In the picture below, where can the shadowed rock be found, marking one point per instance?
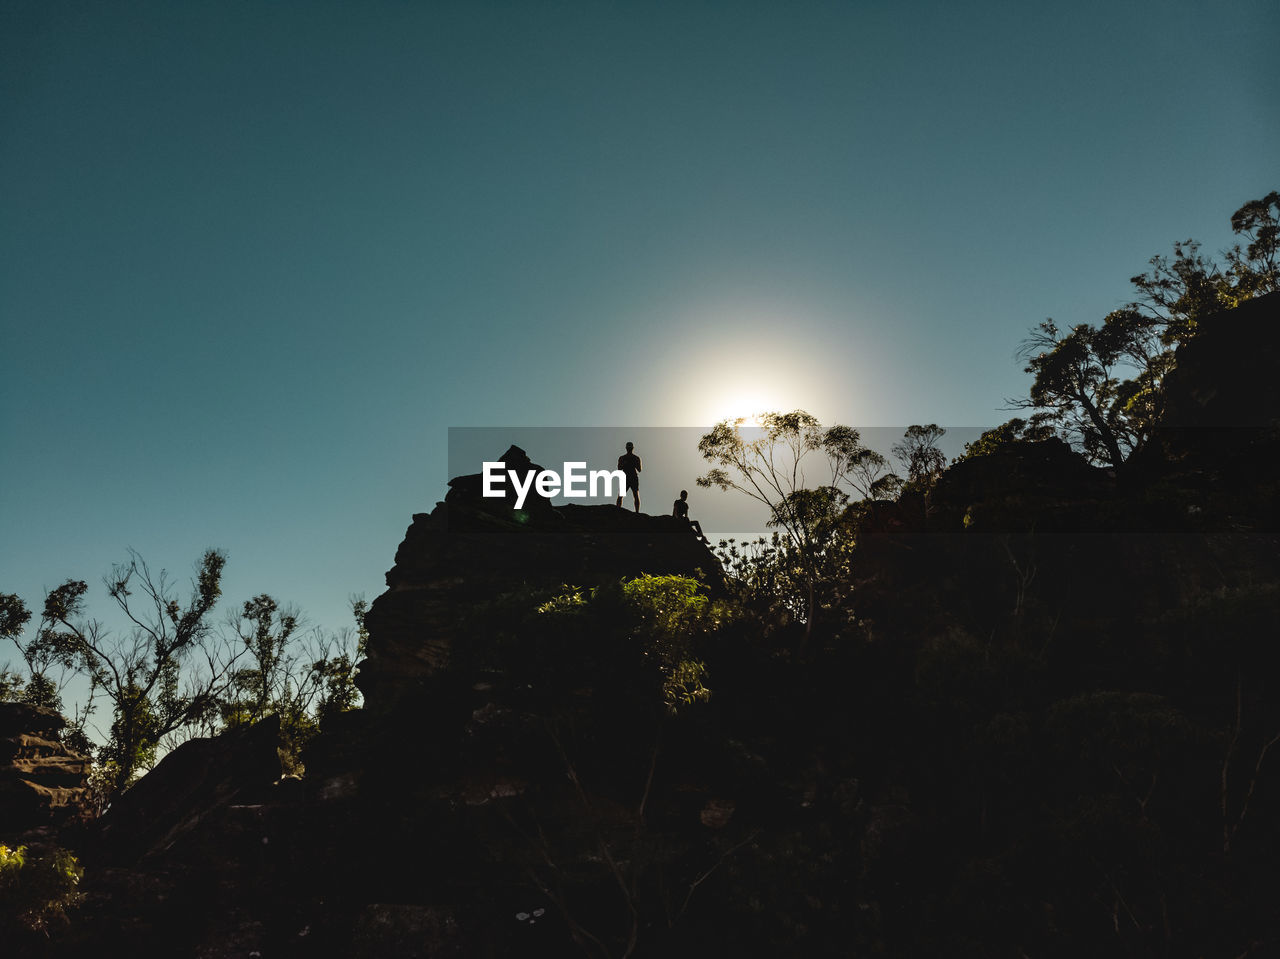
(471, 548)
(41, 780)
(187, 787)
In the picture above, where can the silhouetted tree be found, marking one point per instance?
(336, 667)
(1078, 384)
(771, 470)
(1256, 267)
(303, 679)
(37, 688)
(1176, 294)
(266, 632)
(1037, 428)
(1101, 386)
(919, 454)
(166, 673)
(48, 668)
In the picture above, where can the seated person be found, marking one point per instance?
(680, 510)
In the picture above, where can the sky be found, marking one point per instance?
(256, 259)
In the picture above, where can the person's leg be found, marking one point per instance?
(697, 528)
(636, 494)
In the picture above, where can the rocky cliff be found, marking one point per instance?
(470, 549)
(42, 781)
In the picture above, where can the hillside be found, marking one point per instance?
(1040, 723)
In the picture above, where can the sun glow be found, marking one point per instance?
(748, 354)
(745, 406)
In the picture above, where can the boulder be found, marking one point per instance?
(186, 789)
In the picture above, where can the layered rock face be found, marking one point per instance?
(470, 549)
(41, 780)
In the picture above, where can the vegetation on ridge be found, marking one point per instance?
(1013, 706)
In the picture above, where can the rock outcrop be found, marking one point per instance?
(1219, 436)
(41, 780)
(1207, 411)
(470, 549)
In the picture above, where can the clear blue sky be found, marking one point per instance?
(256, 258)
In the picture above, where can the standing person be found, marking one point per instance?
(629, 463)
(680, 510)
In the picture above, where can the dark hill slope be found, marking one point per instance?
(1044, 725)
(1075, 696)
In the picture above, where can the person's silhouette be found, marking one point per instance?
(680, 510)
(629, 463)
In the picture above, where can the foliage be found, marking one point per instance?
(304, 680)
(266, 632)
(335, 668)
(1100, 386)
(14, 616)
(771, 470)
(172, 675)
(641, 635)
(1036, 744)
(570, 602)
(46, 665)
(11, 686)
(36, 891)
(1256, 268)
(671, 613)
(162, 677)
(685, 685)
(615, 683)
(771, 582)
(1006, 434)
(1176, 295)
(763, 576)
(1049, 764)
(919, 455)
(271, 683)
(1077, 383)
(606, 668)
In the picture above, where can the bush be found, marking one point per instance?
(36, 891)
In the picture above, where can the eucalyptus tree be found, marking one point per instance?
(802, 472)
(919, 455)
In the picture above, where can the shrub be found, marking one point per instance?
(36, 891)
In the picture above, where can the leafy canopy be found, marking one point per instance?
(1101, 386)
